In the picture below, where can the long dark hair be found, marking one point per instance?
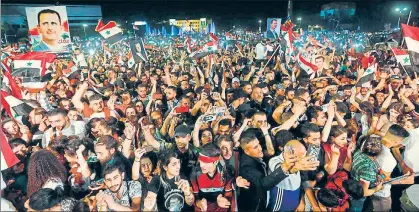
(165, 157)
(44, 166)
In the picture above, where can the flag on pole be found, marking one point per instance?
(9, 84)
(8, 158)
(411, 36)
(13, 106)
(308, 67)
(109, 31)
(368, 75)
(402, 56)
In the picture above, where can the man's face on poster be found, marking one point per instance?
(50, 27)
(274, 23)
(319, 62)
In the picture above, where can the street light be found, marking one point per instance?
(84, 28)
(299, 20)
(400, 14)
(260, 25)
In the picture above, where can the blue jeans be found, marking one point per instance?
(357, 205)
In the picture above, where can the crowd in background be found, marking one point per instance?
(244, 128)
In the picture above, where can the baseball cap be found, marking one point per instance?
(235, 79)
(182, 131)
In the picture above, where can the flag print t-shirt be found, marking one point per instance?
(171, 199)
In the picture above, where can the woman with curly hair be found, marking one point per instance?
(45, 171)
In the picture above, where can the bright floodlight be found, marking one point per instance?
(397, 9)
(299, 19)
(405, 8)
(260, 21)
(85, 25)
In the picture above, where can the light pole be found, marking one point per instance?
(84, 28)
(299, 20)
(400, 14)
(260, 25)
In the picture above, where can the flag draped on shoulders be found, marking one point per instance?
(110, 31)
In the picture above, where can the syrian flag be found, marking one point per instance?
(411, 36)
(131, 61)
(9, 84)
(368, 75)
(110, 32)
(30, 72)
(187, 45)
(13, 106)
(138, 50)
(207, 48)
(120, 61)
(402, 56)
(213, 37)
(8, 158)
(229, 36)
(308, 67)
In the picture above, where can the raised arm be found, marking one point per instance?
(76, 100)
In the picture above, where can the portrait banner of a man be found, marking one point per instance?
(273, 28)
(48, 29)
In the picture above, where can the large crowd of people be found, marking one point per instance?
(243, 128)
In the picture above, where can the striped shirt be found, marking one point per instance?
(364, 167)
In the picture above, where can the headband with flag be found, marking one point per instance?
(207, 159)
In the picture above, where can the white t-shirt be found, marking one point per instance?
(411, 153)
(292, 182)
(387, 163)
(260, 51)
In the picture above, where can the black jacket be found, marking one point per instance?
(254, 171)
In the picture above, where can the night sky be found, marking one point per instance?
(241, 13)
